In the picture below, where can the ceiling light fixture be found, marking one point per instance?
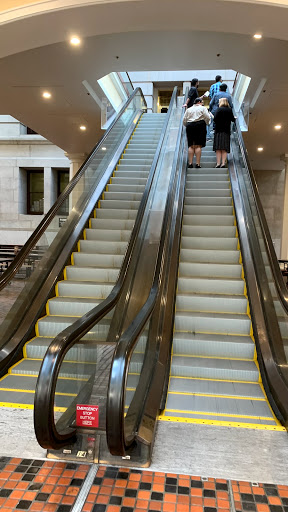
(104, 149)
(257, 36)
(83, 127)
(278, 126)
(260, 148)
(75, 40)
(46, 95)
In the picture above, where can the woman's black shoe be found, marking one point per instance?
(190, 166)
(217, 166)
(198, 166)
(223, 166)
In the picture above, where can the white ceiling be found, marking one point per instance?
(145, 35)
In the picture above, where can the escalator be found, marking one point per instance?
(206, 342)
(106, 194)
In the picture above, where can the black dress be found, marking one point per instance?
(196, 133)
(192, 95)
(222, 119)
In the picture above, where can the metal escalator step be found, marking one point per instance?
(192, 178)
(204, 243)
(84, 290)
(102, 247)
(210, 210)
(85, 351)
(211, 368)
(212, 303)
(214, 387)
(213, 345)
(209, 255)
(132, 174)
(210, 285)
(207, 231)
(131, 181)
(209, 220)
(132, 380)
(119, 204)
(111, 235)
(98, 260)
(203, 171)
(122, 225)
(239, 410)
(50, 326)
(116, 214)
(99, 275)
(122, 196)
(215, 185)
(136, 160)
(69, 306)
(208, 192)
(200, 200)
(24, 383)
(118, 187)
(206, 269)
(220, 323)
(73, 370)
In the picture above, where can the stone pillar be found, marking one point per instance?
(48, 189)
(284, 241)
(76, 160)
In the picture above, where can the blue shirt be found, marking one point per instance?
(214, 89)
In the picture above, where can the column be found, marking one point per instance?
(284, 240)
(76, 160)
(48, 189)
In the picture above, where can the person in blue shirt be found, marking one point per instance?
(215, 87)
(214, 103)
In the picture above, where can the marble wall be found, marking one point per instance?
(271, 190)
(19, 152)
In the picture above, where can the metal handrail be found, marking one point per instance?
(115, 429)
(38, 232)
(45, 428)
(278, 279)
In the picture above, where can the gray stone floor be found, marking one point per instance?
(8, 297)
(198, 450)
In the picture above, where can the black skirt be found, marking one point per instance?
(221, 142)
(196, 133)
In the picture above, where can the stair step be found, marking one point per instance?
(101, 247)
(211, 285)
(207, 231)
(212, 387)
(112, 235)
(213, 345)
(210, 368)
(84, 290)
(71, 306)
(116, 224)
(206, 269)
(212, 302)
(99, 275)
(209, 256)
(202, 243)
(106, 213)
(52, 325)
(220, 323)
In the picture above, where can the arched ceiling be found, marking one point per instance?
(145, 35)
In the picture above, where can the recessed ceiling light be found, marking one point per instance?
(257, 36)
(83, 127)
(75, 40)
(278, 126)
(260, 148)
(46, 94)
(104, 149)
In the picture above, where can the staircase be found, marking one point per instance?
(214, 375)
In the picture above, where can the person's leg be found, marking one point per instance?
(198, 150)
(223, 157)
(218, 156)
(190, 155)
(208, 134)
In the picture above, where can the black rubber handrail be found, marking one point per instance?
(269, 344)
(39, 231)
(115, 417)
(45, 428)
(278, 279)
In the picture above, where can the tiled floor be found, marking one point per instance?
(48, 486)
(37, 485)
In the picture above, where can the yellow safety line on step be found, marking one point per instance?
(217, 396)
(65, 273)
(254, 426)
(217, 380)
(36, 376)
(27, 406)
(33, 391)
(214, 357)
(221, 414)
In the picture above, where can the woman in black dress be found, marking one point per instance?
(195, 119)
(222, 119)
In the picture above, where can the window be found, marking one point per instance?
(62, 182)
(35, 192)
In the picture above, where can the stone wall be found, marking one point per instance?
(271, 190)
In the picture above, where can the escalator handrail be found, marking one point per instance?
(50, 215)
(125, 346)
(278, 279)
(45, 428)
